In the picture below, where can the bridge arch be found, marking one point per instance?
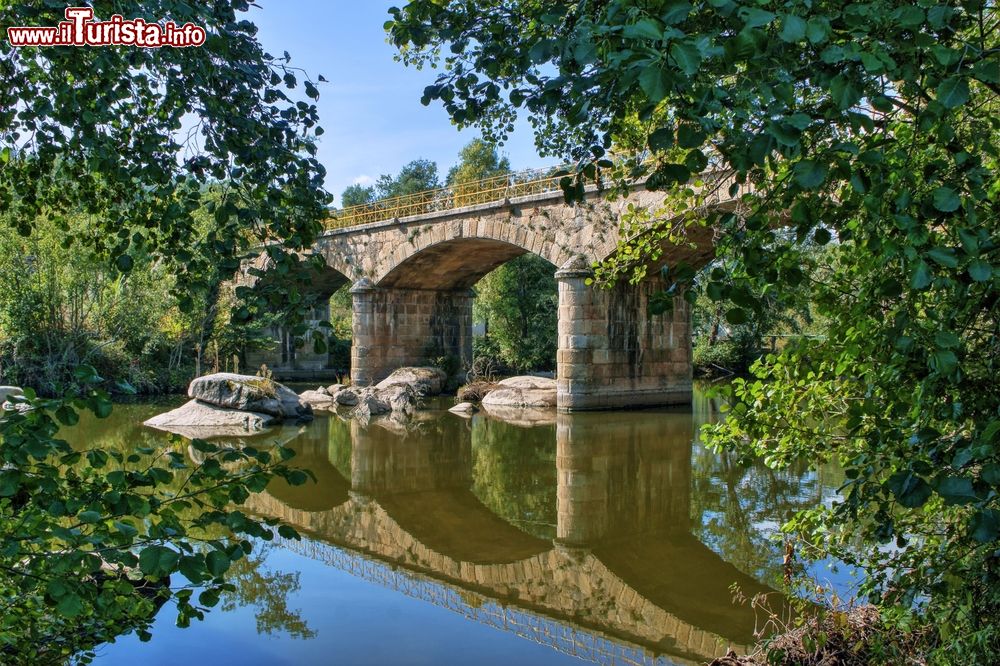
(459, 255)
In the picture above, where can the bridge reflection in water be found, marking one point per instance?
(618, 577)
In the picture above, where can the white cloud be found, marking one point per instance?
(364, 180)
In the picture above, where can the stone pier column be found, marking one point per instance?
(363, 333)
(395, 328)
(612, 353)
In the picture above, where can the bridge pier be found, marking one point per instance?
(397, 327)
(291, 361)
(612, 354)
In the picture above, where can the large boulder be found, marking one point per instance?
(370, 404)
(249, 394)
(426, 381)
(199, 420)
(7, 405)
(319, 399)
(402, 399)
(523, 392)
(347, 397)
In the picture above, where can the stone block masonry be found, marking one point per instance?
(412, 298)
(612, 354)
(398, 327)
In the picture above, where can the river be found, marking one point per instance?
(613, 538)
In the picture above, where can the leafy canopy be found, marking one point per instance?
(139, 141)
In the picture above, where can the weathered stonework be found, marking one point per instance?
(612, 353)
(395, 328)
(412, 302)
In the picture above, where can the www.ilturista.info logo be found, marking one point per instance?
(80, 29)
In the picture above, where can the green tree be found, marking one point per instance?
(519, 304)
(874, 124)
(417, 176)
(94, 540)
(477, 160)
(357, 195)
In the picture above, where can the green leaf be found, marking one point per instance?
(947, 340)
(809, 174)
(908, 16)
(676, 13)
(911, 491)
(944, 361)
(822, 236)
(124, 263)
(980, 270)
(217, 562)
(655, 82)
(67, 415)
(953, 92)
(646, 28)
(818, 30)
(754, 17)
(70, 605)
(696, 161)
(985, 526)
(690, 136)
(922, 276)
(287, 532)
(209, 598)
(158, 561)
(957, 490)
(737, 316)
(844, 92)
(944, 256)
(991, 474)
(946, 199)
(10, 483)
(662, 139)
(540, 52)
(793, 28)
(687, 56)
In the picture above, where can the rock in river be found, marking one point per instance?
(198, 420)
(227, 405)
(523, 392)
(426, 381)
(249, 394)
(319, 399)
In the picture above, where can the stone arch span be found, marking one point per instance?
(411, 280)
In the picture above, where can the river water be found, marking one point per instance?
(613, 538)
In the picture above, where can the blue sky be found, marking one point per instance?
(370, 109)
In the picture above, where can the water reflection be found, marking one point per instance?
(612, 537)
(470, 505)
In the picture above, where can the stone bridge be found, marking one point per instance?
(623, 574)
(412, 269)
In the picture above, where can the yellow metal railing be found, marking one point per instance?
(487, 190)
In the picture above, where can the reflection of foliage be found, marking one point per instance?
(514, 474)
(267, 591)
(339, 446)
(736, 509)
